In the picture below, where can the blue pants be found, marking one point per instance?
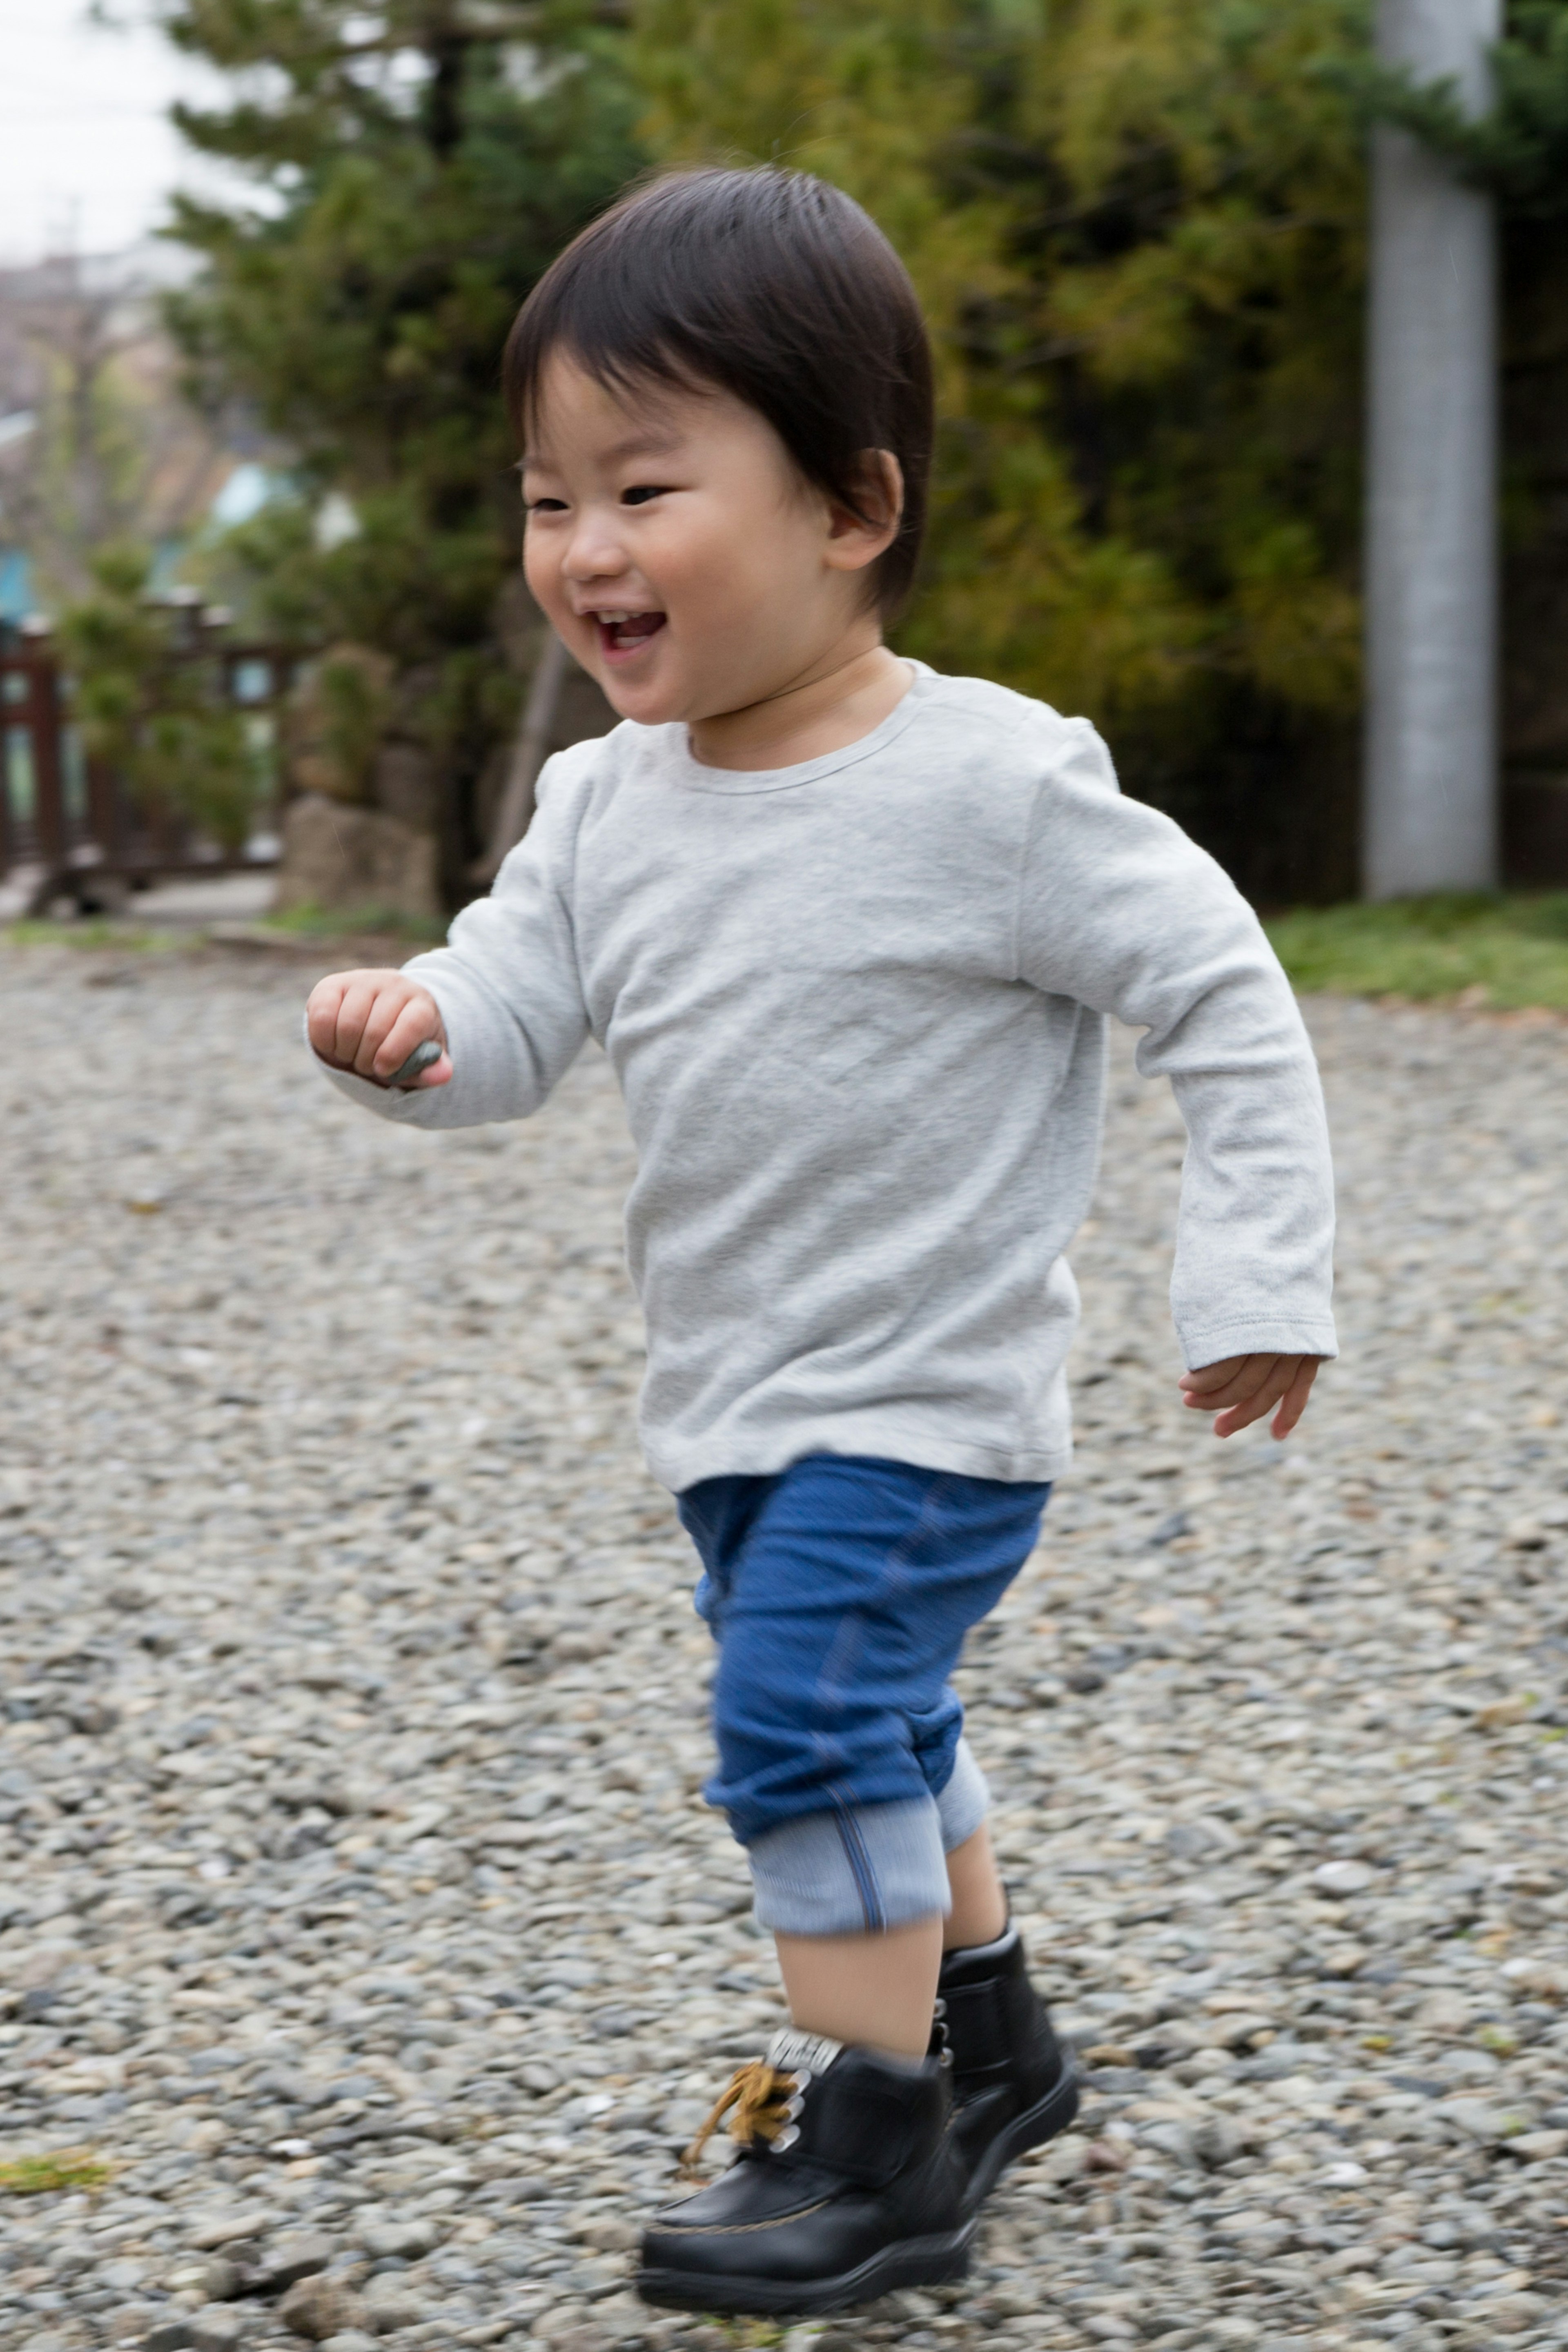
(839, 1592)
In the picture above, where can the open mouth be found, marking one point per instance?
(624, 634)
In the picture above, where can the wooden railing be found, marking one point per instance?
(66, 823)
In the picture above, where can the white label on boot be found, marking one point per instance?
(791, 2051)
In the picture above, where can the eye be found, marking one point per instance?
(544, 506)
(640, 494)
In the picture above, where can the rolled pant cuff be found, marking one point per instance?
(965, 1802)
(856, 1870)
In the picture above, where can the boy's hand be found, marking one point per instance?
(370, 1022)
(1244, 1388)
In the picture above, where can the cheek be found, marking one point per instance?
(542, 570)
(719, 574)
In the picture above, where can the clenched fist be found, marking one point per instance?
(370, 1022)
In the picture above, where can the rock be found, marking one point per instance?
(390, 2304)
(214, 2229)
(1218, 2140)
(354, 861)
(1344, 1878)
(1476, 2118)
(217, 2328)
(318, 2307)
(401, 2241)
(174, 2335)
(213, 2278)
(336, 717)
(296, 2255)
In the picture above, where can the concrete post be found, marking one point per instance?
(1431, 562)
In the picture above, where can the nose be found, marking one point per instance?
(594, 550)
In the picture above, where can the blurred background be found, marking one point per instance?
(258, 531)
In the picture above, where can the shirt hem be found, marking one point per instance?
(762, 1455)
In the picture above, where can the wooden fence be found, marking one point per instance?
(67, 824)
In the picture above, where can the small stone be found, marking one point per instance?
(170, 2334)
(298, 2255)
(318, 2307)
(214, 2278)
(1539, 2147)
(218, 2328)
(1343, 1878)
(400, 2241)
(351, 2339)
(390, 2304)
(1218, 2140)
(1475, 2117)
(214, 2229)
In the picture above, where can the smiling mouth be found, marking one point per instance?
(622, 634)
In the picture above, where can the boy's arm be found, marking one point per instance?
(507, 994)
(1120, 911)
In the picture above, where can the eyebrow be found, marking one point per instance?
(649, 443)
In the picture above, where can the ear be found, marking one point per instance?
(854, 540)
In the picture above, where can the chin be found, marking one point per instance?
(645, 704)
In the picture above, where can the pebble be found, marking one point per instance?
(355, 1884)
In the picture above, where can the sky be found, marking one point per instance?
(87, 156)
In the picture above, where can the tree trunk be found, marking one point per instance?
(535, 727)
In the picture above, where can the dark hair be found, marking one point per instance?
(772, 285)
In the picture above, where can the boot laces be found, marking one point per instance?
(765, 2102)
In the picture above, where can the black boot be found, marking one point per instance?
(848, 2184)
(1014, 2084)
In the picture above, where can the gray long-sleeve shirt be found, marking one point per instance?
(856, 1008)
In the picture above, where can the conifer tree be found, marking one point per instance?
(419, 162)
(1138, 227)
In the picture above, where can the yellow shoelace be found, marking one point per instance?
(759, 2096)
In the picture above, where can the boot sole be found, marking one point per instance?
(913, 2262)
(1036, 2125)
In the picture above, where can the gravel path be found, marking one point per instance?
(356, 1906)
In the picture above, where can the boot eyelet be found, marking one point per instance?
(795, 2108)
(787, 2138)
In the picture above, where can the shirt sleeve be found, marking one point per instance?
(507, 987)
(1121, 911)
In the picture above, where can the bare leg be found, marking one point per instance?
(879, 1991)
(978, 1913)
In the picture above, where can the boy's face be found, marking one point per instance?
(676, 550)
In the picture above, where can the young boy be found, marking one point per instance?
(848, 932)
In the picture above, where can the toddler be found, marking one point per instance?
(849, 932)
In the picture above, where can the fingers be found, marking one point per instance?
(1242, 1416)
(1243, 1389)
(400, 1019)
(1237, 1379)
(370, 1022)
(321, 1014)
(1293, 1403)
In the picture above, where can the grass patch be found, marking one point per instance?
(95, 931)
(1503, 953)
(312, 922)
(63, 2167)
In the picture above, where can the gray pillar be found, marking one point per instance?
(1431, 559)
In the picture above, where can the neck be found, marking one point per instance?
(839, 697)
